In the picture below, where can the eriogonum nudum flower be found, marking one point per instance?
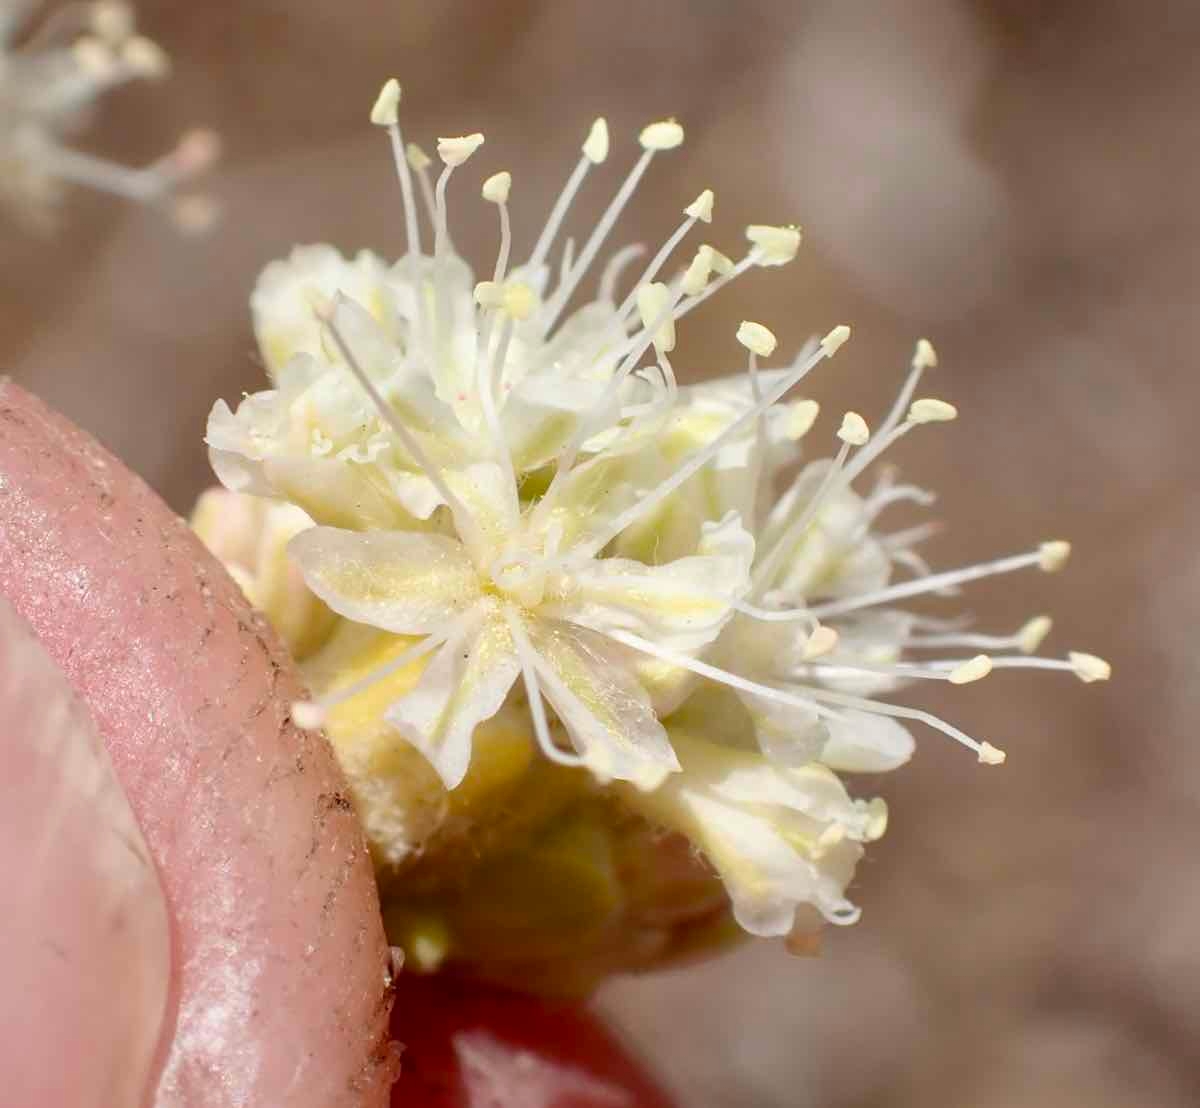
(52, 72)
(570, 625)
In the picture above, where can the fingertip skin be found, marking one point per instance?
(280, 959)
(471, 1046)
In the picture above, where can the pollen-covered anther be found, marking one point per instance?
(595, 146)
(800, 418)
(95, 58)
(417, 158)
(696, 275)
(145, 57)
(991, 755)
(974, 669)
(774, 245)
(112, 20)
(307, 715)
(1052, 556)
(496, 188)
(1033, 634)
(518, 300)
(457, 149)
(835, 340)
(929, 410)
(721, 263)
(702, 207)
(386, 110)
(820, 642)
(924, 356)
(666, 134)
(652, 302)
(854, 430)
(756, 338)
(1088, 667)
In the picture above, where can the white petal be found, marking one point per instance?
(398, 581)
(765, 877)
(465, 684)
(865, 743)
(681, 605)
(606, 712)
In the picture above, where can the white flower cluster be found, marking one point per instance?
(674, 598)
(51, 74)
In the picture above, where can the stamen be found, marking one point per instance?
(697, 460)
(1087, 667)
(808, 702)
(386, 113)
(658, 136)
(595, 151)
(929, 584)
(1027, 639)
(694, 211)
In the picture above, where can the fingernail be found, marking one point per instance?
(84, 938)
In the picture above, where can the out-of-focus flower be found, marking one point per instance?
(52, 72)
(509, 512)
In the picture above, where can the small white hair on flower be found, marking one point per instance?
(51, 73)
(521, 498)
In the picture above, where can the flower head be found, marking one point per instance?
(577, 592)
(51, 75)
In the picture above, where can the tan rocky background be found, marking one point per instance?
(1017, 179)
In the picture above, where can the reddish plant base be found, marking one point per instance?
(467, 1046)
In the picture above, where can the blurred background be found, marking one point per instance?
(1016, 179)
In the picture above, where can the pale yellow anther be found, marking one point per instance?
(386, 110)
(595, 146)
(1052, 556)
(835, 340)
(721, 263)
(877, 818)
(924, 357)
(457, 149)
(416, 157)
(854, 430)
(663, 135)
(991, 755)
(307, 715)
(519, 300)
(702, 207)
(94, 57)
(1088, 667)
(112, 20)
(800, 418)
(496, 188)
(489, 294)
(929, 410)
(820, 642)
(975, 669)
(652, 301)
(756, 338)
(145, 57)
(696, 275)
(198, 150)
(775, 245)
(1033, 634)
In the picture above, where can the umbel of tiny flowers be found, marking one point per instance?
(52, 72)
(560, 611)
